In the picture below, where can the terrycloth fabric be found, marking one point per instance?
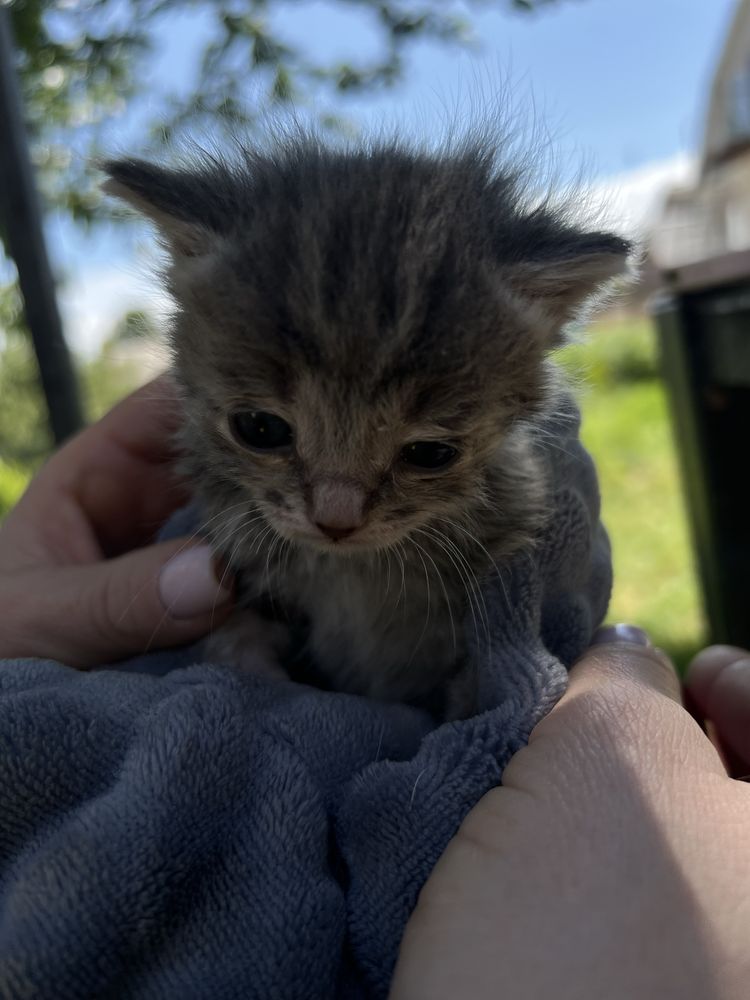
(207, 835)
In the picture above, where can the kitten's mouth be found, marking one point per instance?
(324, 543)
(360, 540)
(354, 544)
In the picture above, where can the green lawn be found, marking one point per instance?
(13, 478)
(626, 428)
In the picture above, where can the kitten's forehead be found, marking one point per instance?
(377, 240)
(372, 415)
(375, 270)
(361, 255)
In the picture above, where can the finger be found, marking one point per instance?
(705, 669)
(121, 469)
(625, 693)
(623, 653)
(118, 473)
(718, 680)
(142, 424)
(160, 596)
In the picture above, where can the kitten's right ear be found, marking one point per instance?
(187, 207)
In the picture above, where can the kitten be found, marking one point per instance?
(361, 339)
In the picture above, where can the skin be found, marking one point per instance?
(78, 580)
(615, 860)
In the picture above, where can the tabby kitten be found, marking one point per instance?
(361, 341)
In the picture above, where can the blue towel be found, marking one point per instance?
(176, 830)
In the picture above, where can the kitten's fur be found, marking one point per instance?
(370, 297)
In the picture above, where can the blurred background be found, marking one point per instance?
(646, 106)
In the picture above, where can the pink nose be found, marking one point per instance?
(336, 531)
(337, 507)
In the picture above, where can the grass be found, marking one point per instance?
(626, 428)
(24, 437)
(13, 479)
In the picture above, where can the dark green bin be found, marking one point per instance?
(703, 319)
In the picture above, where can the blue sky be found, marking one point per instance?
(621, 84)
(624, 81)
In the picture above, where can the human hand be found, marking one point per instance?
(79, 581)
(718, 689)
(615, 860)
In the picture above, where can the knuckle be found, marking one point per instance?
(640, 666)
(633, 716)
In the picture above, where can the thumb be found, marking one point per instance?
(624, 655)
(622, 687)
(161, 595)
(620, 717)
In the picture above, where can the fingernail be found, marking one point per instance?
(620, 633)
(188, 585)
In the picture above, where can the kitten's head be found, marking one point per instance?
(359, 333)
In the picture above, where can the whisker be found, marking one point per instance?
(444, 589)
(220, 543)
(186, 544)
(429, 604)
(470, 589)
(277, 542)
(395, 549)
(387, 555)
(414, 789)
(245, 526)
(163, 618)
(465, 562)
(400, 550)
(479, 544)
(287, 557)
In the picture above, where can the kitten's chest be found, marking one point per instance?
(383, 628)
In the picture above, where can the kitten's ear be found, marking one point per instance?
(566, 272)
(190, 209)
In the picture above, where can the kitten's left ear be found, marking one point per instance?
(190, 208)
(566, 272)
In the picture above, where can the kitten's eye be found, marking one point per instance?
(261, 431)
(428, 454)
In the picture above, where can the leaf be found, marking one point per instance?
(282, 85)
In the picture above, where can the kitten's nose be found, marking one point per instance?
(334, 532)
(337, 507)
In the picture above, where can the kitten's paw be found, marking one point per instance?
(249, 643)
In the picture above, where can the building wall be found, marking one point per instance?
(713, 218)
(728, 117)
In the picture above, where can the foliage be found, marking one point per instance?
(24, 435)
(13, 480)
(117, 371)
(625, 426)
(80, 61)
(627, 353)
(134, 325)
